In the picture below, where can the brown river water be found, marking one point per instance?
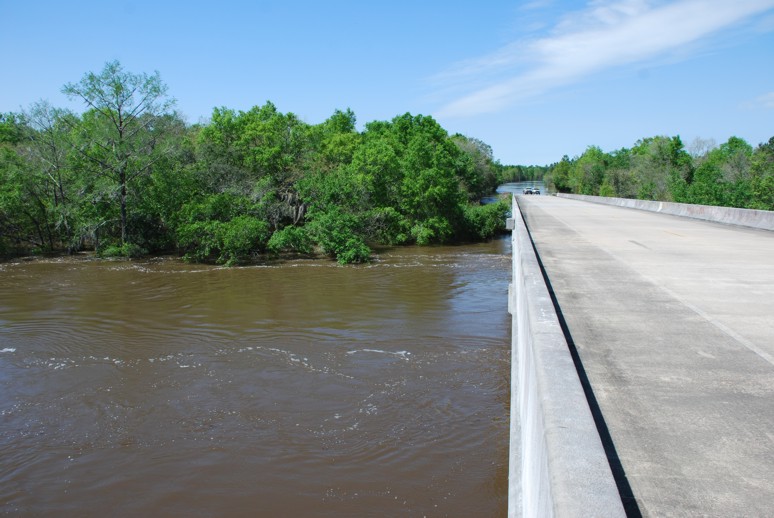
(305, 388)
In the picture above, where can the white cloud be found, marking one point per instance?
(766, 100)
(605, 35)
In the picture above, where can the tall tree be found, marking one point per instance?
(121, 140)
(35, 180)
(558, 178)
(47, 152)
(479, 176)
(588, 170)
(762, 170)
(658, 162)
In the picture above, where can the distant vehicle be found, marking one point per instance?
(532, 190)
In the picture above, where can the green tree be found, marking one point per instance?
(339, 139)
(659, 165)
(13, 223)
(219, 156)
(261, 153)
(120, 138)
(485, 221)
(479, 176)
(12, 129)
(376, 166)
(588, 171)
(340, 235)
(724, 176)
(225, 228)
(37, 181)
(736, 168)
(172, 183)
(558, 176)
(128, 174)
(48, 152)
(761, 194)
(430, 196)
(22, 219)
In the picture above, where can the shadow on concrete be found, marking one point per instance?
(630, 505)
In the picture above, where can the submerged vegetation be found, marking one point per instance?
(732, 174)
(129, 177)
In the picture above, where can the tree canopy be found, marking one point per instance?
(129, 176)
(121, 136)
(733, 174)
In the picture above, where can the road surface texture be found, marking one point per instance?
(673, 322)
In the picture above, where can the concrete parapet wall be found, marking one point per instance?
(763, 219)
(562, 470)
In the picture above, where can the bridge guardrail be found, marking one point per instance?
(762, 219)
(557, 462)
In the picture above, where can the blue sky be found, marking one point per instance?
(535, 80)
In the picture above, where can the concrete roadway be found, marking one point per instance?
(673, 320)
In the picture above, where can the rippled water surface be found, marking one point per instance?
(299, 389)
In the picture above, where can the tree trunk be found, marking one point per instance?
(123, 209)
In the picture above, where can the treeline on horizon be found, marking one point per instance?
(129, 177)
(733, 174)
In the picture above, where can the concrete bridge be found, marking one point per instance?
(643, 359)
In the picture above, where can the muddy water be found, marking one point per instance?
(298, 389)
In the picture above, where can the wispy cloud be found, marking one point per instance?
(606, 34)
(766, 100)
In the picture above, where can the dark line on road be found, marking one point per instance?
(638, 244)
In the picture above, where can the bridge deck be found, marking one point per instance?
(673, 320)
